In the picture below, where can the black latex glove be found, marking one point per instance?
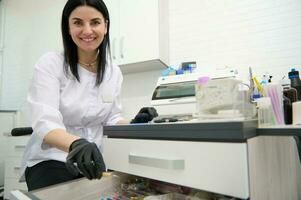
(87, 158)
(145, 115)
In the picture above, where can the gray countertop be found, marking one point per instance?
(235, 131)
(285, 130)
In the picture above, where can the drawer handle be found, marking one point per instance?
(17, 168)
(163, 163)
(20, 146)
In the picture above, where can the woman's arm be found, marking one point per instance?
(60, 139)
(123, 121)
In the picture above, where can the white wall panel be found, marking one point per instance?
(265, 35)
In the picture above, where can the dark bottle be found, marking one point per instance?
(293, 75)
(289, 96)
(287, 110)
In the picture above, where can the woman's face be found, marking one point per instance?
(87, 28)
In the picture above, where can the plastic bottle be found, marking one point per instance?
(266, 116)
(295, 81)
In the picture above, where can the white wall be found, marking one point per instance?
(31, 28)
(263, 34)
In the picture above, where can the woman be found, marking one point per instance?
(72, 96)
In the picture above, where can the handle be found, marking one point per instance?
(114, 48)
(17, 168)
(6, 134)
(20, 146)
(121, 47)
(164, 163)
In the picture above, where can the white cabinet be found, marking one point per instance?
(16, 147)
(7, 123)
(136, 34)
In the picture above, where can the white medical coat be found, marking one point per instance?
(58, 100)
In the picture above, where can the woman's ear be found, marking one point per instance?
(106, 25)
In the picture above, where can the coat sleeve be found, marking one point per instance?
(44, 96)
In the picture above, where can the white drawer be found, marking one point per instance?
(13, 184)
(16, 145)
(3, 146)
(12, 167)
(210, 166)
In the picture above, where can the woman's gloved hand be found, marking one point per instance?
(86, 158)
(145, 115)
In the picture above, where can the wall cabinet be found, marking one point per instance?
(136, 32)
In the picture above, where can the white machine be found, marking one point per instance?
(174, 96)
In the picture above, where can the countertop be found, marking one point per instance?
(284, 130)
(234, 131)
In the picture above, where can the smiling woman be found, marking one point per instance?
(72, 96)
(67, 101)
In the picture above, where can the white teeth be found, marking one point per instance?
(87, 39)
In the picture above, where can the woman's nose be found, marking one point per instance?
(87, 29)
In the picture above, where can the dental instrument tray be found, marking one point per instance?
(234, 131)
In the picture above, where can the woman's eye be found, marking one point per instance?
(77, 23)
(95, 22)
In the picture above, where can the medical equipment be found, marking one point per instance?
(174, 96)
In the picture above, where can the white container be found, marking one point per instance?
(223, 98)
(297, 113)
(266, 117)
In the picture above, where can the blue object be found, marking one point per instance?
(255, 94)
(293, 74)
(179, 71)
(169, 71)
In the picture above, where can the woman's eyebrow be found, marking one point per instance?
(75, 18)
(94, 19)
